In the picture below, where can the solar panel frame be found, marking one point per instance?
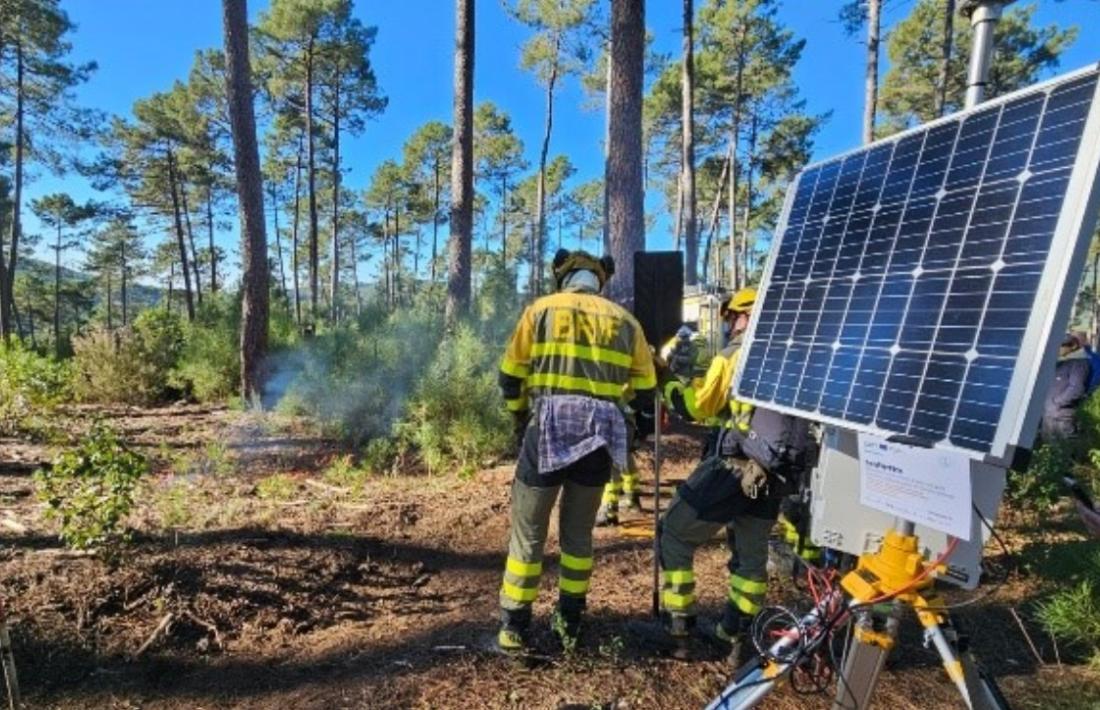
(1033, 368)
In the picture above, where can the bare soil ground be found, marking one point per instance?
(256, 582)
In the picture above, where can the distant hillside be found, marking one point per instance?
(140, 295)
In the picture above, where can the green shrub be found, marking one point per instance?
(455, 414)
(30, 385)
(1073, 614)
(209, 364)
(131, 365)
(1039, 486)
(90, 490)
(379, 455)
(344, 473)
(278, 487)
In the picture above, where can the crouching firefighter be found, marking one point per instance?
(739, 488)
(564, 375)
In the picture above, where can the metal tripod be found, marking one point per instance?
(897, 572)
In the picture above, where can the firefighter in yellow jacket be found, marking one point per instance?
(569, 362)
(722, 492)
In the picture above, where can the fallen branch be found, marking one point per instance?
(209, 626)
(164, 622)
(1027, 636)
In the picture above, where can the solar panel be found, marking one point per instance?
(914, 284)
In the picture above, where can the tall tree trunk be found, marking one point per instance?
(397, 255)
(749, 163)
(945, 54)
(462, 166)
(171, 285)
(30, 326)
(870, 84)
(294, 234)
(687, 158)
(334, 285)
(435, 221)
(540, 206)
(122, 273)
(314, 256)
(250, 193)
(210, 238)
(386, 256)
(504, 219)
(7, 271)
(179, 235)
(190, 235)
(735, 138)
(355, 277)
(56, 293)
(110, 304)
(279, 246)
(606, 144)
(715, 211)
(416, 255)
(678, 231)
(625, 195)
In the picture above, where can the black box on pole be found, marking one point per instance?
(659, 293)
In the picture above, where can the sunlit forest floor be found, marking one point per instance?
(255, 579)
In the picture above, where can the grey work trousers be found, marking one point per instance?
(682, 532)
(531, 509)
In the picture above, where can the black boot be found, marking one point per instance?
(733, 629)
(567, 621)
(515, 625)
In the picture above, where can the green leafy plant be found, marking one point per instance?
(278, 487)
(30, 386)
(90, 490)
(455, 415)
(1073, 614)
(1040, 485)
(344, 473)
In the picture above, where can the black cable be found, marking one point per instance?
(1004, 573)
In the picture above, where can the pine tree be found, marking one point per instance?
(34, 37)
(462, 166)
(911, 88)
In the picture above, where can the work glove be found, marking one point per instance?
(754, 479)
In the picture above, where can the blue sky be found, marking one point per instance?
(142, 46)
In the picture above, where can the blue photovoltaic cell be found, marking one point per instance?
(905, 273)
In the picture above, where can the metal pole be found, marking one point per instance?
(658, 414)
(983, 18)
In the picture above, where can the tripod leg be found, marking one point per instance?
(979, 690)
(864, 659)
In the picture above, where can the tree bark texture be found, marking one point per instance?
(210, 238)
(870, 86)
(172, 184)
(246, 160)
(334, 286)
(540, 216)
(7, 271)
(625, 196)
(314, 255)
(687, 158)
(945, 54)
(294, 234)
(462, 165)
(190, 235)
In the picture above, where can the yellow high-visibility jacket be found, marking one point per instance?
(710, 402)
(576, 343)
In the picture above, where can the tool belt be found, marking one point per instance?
(723, 487)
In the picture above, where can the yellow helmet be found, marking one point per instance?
(566, 262)
(740, 302)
